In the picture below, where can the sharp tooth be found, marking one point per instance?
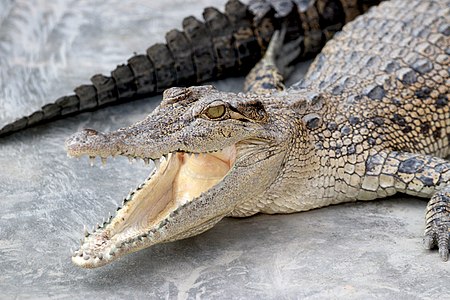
(103, 161)
(81, 242)
(85, 231)
(196, 155)
(91, 160)
(146, 161)
(157, 163)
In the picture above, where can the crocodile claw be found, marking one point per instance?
(438, 236)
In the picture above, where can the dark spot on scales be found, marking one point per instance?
(423, 93)
(373, 162)
(411, 166)
(378, 121)
(353, 120)
(423, 66)
(441, 101)
(345, 130)
(351, 150)
(399, 120)
(312, 121)
(441, 168)
(425, 128)
(371, 141)
(332, 126)
(427, 181)
(261, 77)
(437, 132)
(268, 86)
(444, 29)
(407, 129)
(337, 90)
(396, 101)
(407, 75)
(376, 93)
(391, 67)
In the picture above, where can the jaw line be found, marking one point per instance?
(182, 178)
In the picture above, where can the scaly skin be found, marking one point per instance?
(224, 44)
(371, 119)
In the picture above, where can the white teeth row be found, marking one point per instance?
(84, 252)
(147, 160)
(132, 159)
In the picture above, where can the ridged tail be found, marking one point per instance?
(223, 44)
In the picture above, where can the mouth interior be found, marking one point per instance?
(181, 178)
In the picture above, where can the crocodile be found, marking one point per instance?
(369, 120)
(224, 44)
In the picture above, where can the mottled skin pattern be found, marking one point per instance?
(222, 44)
(371, 119)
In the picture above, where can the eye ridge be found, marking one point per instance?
(216, 112)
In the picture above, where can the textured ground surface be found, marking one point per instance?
(359, 250)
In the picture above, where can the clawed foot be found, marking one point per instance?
(285, 53)
(438, 235)
(437, 231)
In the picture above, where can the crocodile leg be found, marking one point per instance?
(269, 73)
(265, 75)
(418, 175)
(437, 231)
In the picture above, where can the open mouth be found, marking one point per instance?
(178, 178)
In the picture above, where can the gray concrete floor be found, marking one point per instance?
(352, 251)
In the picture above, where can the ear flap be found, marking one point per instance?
(253, 110)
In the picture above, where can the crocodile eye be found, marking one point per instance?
(215, 112)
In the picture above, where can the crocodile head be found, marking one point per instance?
(212, 150)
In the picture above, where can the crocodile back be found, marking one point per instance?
(390, 70)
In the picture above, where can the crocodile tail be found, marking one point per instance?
(223, 44)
